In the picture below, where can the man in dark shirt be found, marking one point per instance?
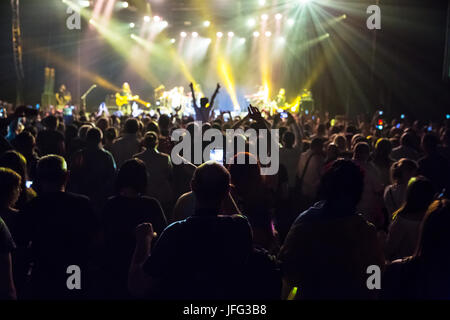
(203, 257)
(62, 233)
(50, 141)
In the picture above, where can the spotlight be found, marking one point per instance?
(172, 40)
(242, 40)
(124, 4)
(304, 1)
(268, 34)
(256, 34)
(165, 24)
(147, 19)
(251, 22)
(194, 34)
(278, 16)
(132, 25)
(183, 34)
(291, 22)
(282, 39)
(231, 34)
(264, 17)
(262, 2)
(206, 23)
(157, 18)
(344, 16)
(84, 3)
(133, 36)
(219, 34)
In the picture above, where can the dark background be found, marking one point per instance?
(408, 74)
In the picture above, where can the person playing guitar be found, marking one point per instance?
(63, 98)
(124, 98)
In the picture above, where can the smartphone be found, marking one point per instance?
(380, 127)
(447, 116)
(380, 113)
(226, 117)
(28, 184)
(216, 155)
(306, 112)
(283, 115)
(402, 116)
(430, 128)
(398, 126)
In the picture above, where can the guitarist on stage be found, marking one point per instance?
(125, 98)
(63, 98)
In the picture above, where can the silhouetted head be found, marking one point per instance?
(10, 187)
(24, 142)
(361, 152)
(133, 175)
(16, 162)
(94, 137)
(342, 184)
(131, 126)
(430, 143)
(203, 102)
(151, 140)
(246, 177)
(288, 139)
(50, 122)
(403, 170)
(317, 145)
(51, 173)
(419, 194)
(210, 185)
(434, 243)
(383, 148)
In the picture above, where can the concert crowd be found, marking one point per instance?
(100, 193)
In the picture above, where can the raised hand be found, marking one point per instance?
(254, 113)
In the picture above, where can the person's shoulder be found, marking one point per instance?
(75, 197)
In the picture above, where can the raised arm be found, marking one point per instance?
(213, 97)
(191, 85)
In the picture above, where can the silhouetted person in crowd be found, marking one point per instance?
(329, 247)
(206, 256)
(121, 215)
(50, 140)
(17, 162)
(159, 171)
(433, 165)
(406, 148)
(9, 193)
(404, 230)
(25, 144)
(128, 144)
(425, 275)
(63, 233)
(395, 194)
(93, 170)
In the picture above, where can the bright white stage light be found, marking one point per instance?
(256, 34)
(206, 23)
(262, 2)
(172, 40)
(183, 34)
(156, 18)
(242, 40)
(147, 19)
(264, 17)
(124, 4)
(304, 1)
(291, 22)
(132, 25)
(278, 16)
(251, 22)
(194, 34)
(83, 3)
(219, 34)
(231, 34)
(164, 24)
(268, 34)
